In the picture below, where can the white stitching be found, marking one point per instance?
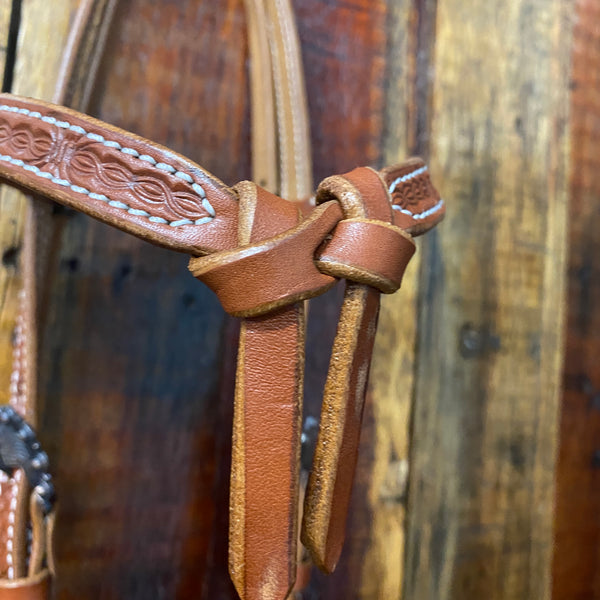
(406, 177)
(422, 215)
(404, 211)
(10, 530)
(114, 145)
(18, 396)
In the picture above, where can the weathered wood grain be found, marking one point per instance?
(353, 48)
(392, 372)
(576, 564)
(490, 328)
(138, 358)
(34, 75)
(5, 13)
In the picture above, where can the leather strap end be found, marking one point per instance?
(268, 407)
(378, 266)
(330, 482)
(416, 203)
(36, 587)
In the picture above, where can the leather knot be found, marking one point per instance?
(366, 247)
(274, 265)
(283, 259)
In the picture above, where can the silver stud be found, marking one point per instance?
(25, 432)
(40, 461)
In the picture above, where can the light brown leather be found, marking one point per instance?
(259, 278)
(367, 251)
(36, 587)
(267, 256)
(281, 156)
(268, 406)
(334, 462)
(265, 167)
(279, 127)
(365, 199)
(83, 52)
(295, 164)
(116, 177)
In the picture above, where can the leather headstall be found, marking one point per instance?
(263, 256)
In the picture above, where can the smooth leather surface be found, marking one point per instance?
(28, 588)
(259, 278)
(268, 407)
(367, 251)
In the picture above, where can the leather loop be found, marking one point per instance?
(257, 279)
(369, 252)
(377, 261)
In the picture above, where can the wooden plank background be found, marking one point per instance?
(454, 497)
(576, 564)
(490, 327)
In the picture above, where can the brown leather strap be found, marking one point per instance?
(28, 588)
(251, 230)
(145, 189)
(362, 195)
(401, 196)
(265, 166)
(295, 159)
(268, 406)
(266, 508)
(83, 52)
(115, 176)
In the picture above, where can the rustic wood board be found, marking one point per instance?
(137, 403)
(5, 16)
(490, 328)
(35, 71)
(392, 381)
(9, 236)
(576, 565)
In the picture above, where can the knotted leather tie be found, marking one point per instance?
(263, 256)
(350, 235)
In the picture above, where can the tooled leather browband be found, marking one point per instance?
(262, 256)
(146, 189)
